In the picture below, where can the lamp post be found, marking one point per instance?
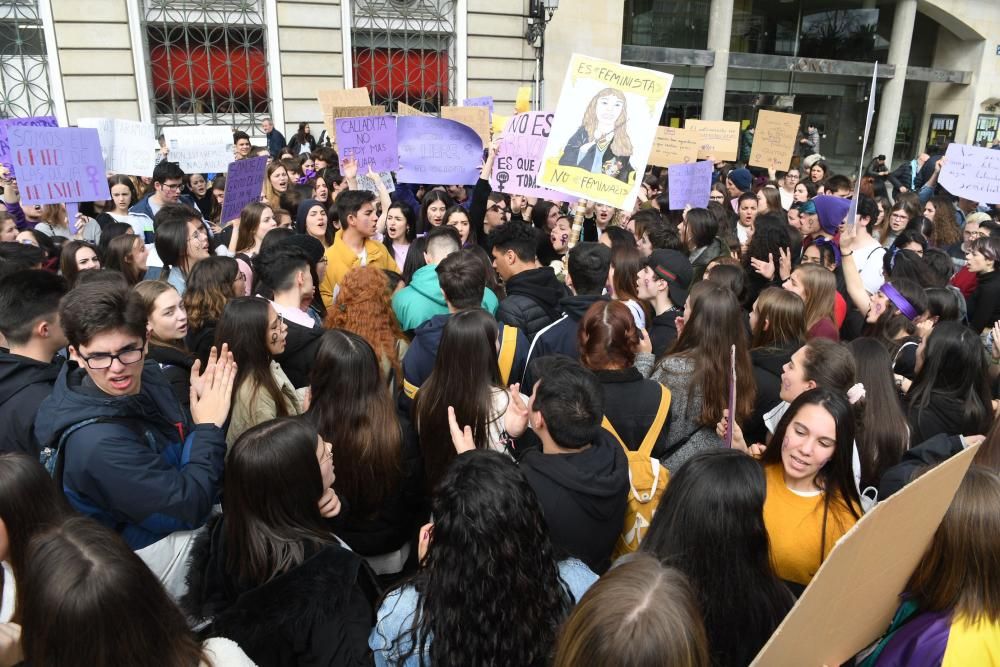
(540, 12)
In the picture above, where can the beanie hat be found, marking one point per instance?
(303, 211)
(741, 178)
(831, 211)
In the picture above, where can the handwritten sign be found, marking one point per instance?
(244, 182)
(366, 182)
(200, 149)
(519, 155)
(478, 118)
(486, 101)
(36, 121)
(437, 150)
(404, 109)
(58, 164)
(674, 145)
(125, 144)
(774, 140)
(720, 139)
(371, 140)
(330, 117)
(972, 172)
(689, 185)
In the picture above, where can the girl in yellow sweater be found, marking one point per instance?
(811, 496)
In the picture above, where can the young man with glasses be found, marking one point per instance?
(121, 446)
(168, 181)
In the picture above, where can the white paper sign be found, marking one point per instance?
(125, 144)
(200, 148)
(972, 172)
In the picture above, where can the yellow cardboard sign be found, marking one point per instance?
(674, 146)
(720, 139)
(404, 109)
(478, 118)
(523, 101)
(333, 113)
(774, 140)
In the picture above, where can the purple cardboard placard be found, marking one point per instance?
(479, 102)
(55, 165)
(244, 180)
(732, 396)
(515, 168)
(438, 151)
(371, 140)
(36, 121)
(689, 184)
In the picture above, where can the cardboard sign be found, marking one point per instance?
(437, 150)
(244, 182)
(331, 115)
(498, 123)
(347, 97)
(55, 165)
(200, 149)
(371, 140)
(478, 118)
(855, 593)
(522, 102)
(36, 121)
(720, 139)
(404, 109)
(972, 172)
(674, 145)
(125, 144)
(486, 101)
(689, 185)
(774, 140)
(519, 154)
(604, 124)
(365, 182)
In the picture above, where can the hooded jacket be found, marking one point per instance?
(583, 496)
(176, 366)
(134, 463)
(560, 336)
(300, 352)
(24, 384)
(422, 299)
(532, 301)
(317, 613)
(767, 366)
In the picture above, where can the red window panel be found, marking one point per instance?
(412, 75)
(210, 74)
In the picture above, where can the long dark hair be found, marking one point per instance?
(208, 289)
(430, 198)
(87, 599)
(836, 478)
(955, 366)
(119, 258)
(892, 325)
(352, 410)
(67, 260)
(244, 325)
(270, 500)
(171, 245)
(710, 526)
(465, 376)
(411, 225)
(487, 518)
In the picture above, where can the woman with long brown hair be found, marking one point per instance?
(817, 288)
(166, 329)
(213, 282)
(944, 225)
(127, 254)
(626, 263)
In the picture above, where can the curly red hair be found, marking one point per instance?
(364, 306)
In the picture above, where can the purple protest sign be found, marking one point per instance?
(520, 154)
(37, 121)
(244, 181)
(371, 140)
(689, 184)
(732, 396)
(437, 150)
(58, 164)
(479, 102)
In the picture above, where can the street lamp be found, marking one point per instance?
(540, 12)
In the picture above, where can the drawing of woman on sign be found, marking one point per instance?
(602, 144)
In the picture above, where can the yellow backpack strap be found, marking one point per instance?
(606, 425)
(508, 345)
(646, 448)
(410, 389)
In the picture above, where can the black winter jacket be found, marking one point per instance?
(176, 366)
(560, 336)
(532, 301)
(930, 453)
(300, 353)
(767, 367)
(24, 384)
(630, 404)
(200, 341)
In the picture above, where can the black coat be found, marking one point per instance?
(300, 352)
(984, 302)
(630, 404)
(662, 330)
(560, 336)
(318, 613)
(532, 301)
(935, 450)
(176, 366)
(943, 415)
(24, 384)
(767, 367)
(200, 341)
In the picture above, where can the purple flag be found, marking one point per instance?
(438, 151)
(37, 121)
(519, 156)
(58, 164)
(244, 181)
(689, 184)
(371, 140)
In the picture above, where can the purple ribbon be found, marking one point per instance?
(899, 301)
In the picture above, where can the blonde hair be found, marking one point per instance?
(819, 286)
(620, 144)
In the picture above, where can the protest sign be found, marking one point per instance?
(366, 182)
(972, 172)
(437, 150)
(36, 121)
(244, 182)
(330, 117)
(371, 140)
(720, 139)
(347, 97)
(519, 155)
(689, 185)
(479, 102)
(125, 144)
(852, 211)
(872, 562)
(478, 118)
(200, 149)
(674, 145)
(732, 396)
(604, 123)
(774, 140)
(498, 123)
(55, 165)
(522, 102)
(404, 109)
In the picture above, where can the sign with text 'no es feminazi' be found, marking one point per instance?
(58, 164)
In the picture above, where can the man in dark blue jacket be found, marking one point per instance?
(275, 139)
(127, 453)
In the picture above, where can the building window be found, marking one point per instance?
(24, 71)
(207, 62)
(404, 51)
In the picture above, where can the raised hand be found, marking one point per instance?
(765, 269)
(461, 438)
(784, 263)
(516, 417)
(349, 167)
(212, 391)
(645, 345)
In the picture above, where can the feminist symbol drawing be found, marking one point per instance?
(502, 178)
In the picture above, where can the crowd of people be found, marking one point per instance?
(451, 426)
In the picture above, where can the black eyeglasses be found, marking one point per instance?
(100, 362)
